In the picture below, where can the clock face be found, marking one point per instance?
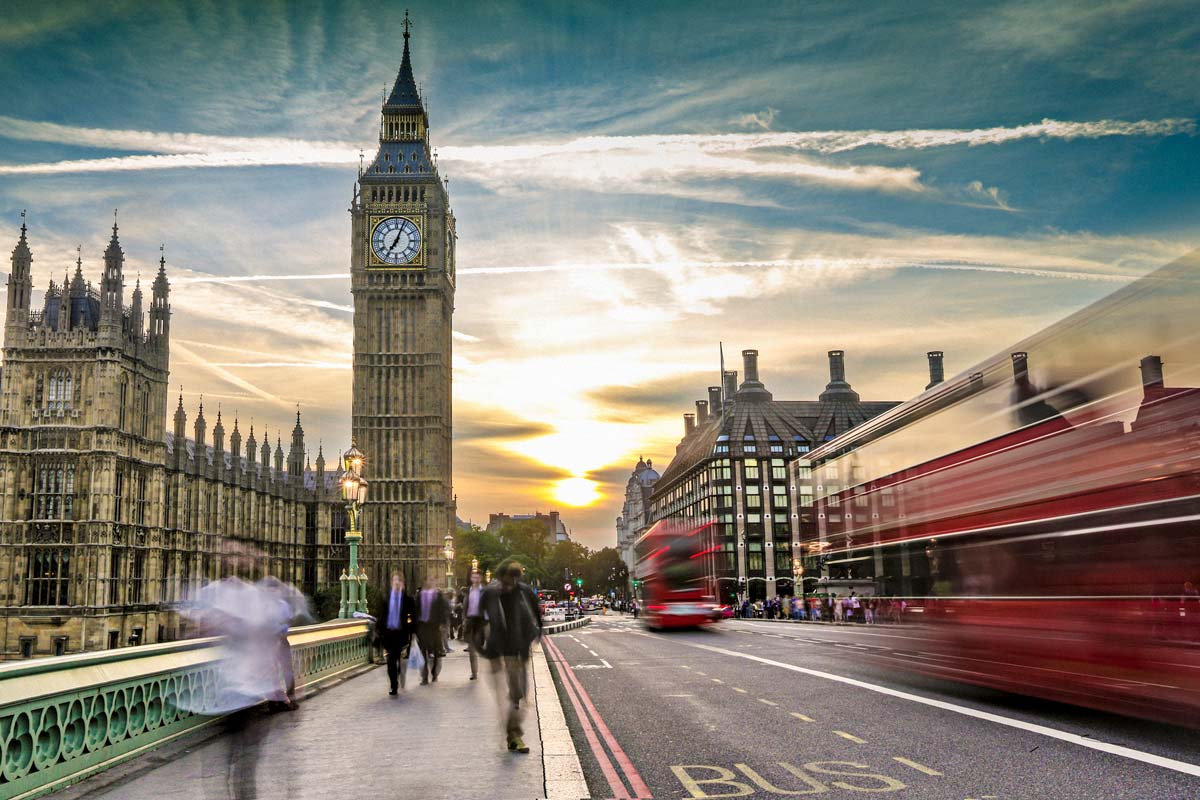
(396, 240)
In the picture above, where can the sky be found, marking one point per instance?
(633, 183)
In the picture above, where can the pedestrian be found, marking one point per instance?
(473, 622)
(838, 609)
(514, 623)
(394, 627)
(432, 614)
(292, 609)
(448, 626)
(869, 611)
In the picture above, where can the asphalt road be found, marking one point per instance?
(761, 709)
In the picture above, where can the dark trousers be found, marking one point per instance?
(397, 660)
(473, 633)
(429, 639)
(245, 730)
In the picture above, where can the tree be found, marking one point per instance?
(605, 571)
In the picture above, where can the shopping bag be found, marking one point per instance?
(415, 659)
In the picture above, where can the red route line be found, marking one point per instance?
(606, 766)
(631, 774)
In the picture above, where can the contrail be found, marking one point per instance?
(225, 374)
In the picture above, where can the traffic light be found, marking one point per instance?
(579, 582)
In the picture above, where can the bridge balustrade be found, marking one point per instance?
(67, 717)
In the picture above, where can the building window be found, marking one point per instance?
(778, 470)
(28, 643)
(118, 493)
(47, 577)
(751, 470)
(54, 491)
(60, 645)
(59, 391)
(122, 400)
(114, 640)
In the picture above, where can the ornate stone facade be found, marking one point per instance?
(635, 519)
(402, 277)
(107, 522)
(731, 468)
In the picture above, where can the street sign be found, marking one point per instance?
(566, 586)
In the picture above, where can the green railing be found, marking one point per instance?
(64, 718)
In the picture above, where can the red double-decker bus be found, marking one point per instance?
(677, 575)
(1042, 509)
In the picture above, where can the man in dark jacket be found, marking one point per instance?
(433, 612)
(395, 622)
(514, 623)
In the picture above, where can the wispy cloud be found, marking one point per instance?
(650, 162)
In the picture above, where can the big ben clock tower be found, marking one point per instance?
(402, 279)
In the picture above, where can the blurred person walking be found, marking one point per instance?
(433, 613)
(248, 617)
(514, 624)
(395, 624)
(473, 622)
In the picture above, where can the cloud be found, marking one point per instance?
(759, 119)
(645, 164)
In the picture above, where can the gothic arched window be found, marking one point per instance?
(59, 390)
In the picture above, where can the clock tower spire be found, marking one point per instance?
(402, 279)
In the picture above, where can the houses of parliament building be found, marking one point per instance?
(110, 520)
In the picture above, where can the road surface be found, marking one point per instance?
(764, 709)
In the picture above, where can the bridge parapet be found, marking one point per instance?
(64, 718)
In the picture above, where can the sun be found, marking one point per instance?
(576, 492)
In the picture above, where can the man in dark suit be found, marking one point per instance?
(433, 612)
(395, 622)
(473, 623)
(514, 623)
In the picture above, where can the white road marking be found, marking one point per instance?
(767, 702)
(743, 691)
(1042, 730)
(802, 717)
(851, 737)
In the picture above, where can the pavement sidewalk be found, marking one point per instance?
(354, 740)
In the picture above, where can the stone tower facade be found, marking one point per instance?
(402, 278)
(108, 522)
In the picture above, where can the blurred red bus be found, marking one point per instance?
(675, 570)
(1043, 508)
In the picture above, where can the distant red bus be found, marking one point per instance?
(676, 571)
(1043, 508)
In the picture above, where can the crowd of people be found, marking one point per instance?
(498, 623)
(868, 609)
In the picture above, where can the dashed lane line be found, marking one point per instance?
(717, 680)
(918, 767)
(850, 736)
(802, 717)
(743, 691)
(1042, 730)
(767, 702)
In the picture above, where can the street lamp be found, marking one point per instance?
(448, 554)
(354, 493)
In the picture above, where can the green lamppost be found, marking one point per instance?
(354, 492)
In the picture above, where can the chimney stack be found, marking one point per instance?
(689, 424)
(752, 388)
(1152, 372)
(714, 399)
(730, 386)
(838, 388)
(837, 366)
(936, 373)
(701, 412)
(750, 362)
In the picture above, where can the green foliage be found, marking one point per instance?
(546, 564)
(326, 602)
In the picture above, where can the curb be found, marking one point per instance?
(561, 769)
(559, 627)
